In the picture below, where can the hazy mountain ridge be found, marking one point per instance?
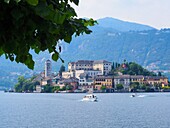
(112, 40)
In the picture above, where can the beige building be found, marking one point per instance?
(68, 74)
(137, 78)
(88, 65)
(103, 66)
(80, 65)
(154, 80)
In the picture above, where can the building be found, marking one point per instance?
(106, 81)
(91, 73)
(124, 80)
(85, 82)
(103, 66)
(38, 89)
(156, 80)
(137, 78)
(91, 66)
(46, 81)
(48, 68)
(68, 74)
(71, 81)
(80, 65)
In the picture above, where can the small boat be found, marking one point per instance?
(90, 97)
(133, 95)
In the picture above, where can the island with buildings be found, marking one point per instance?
(99, 76)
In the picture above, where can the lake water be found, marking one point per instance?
(151, 110)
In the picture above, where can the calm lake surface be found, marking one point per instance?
(151, 110)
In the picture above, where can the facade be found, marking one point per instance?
(48, 68)
(124, 80)
(156, 80)
(137, 78)
(106, 81)
(38, 89)
(68, 74)
(85, 82)
(46, 81)
(88, 65)
(76, 73)
(91, 73)
(80, 65)
(71, 81)
(103, 66)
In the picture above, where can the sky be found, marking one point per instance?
(155, 13)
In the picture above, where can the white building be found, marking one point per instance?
(85, 82)
(103, 66)
(91, 66)
(68, 74)
(80, 65)
(76, 73)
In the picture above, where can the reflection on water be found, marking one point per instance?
(147, 110)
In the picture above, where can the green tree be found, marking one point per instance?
(119, 86)
(38, 25)
(69, 87)
(103, 87)
(47, 89)
(25, 85)
(143, 86)
(20, 85)
(134, 86)
(56, 88)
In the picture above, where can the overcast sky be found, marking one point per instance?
(155, 13)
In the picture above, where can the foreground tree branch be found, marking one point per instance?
(37, 25)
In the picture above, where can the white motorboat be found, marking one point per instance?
(90, 97)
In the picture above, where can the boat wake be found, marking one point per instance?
(137, 95)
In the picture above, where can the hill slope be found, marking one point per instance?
(112, 40)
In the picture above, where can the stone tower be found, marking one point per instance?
(48, 68)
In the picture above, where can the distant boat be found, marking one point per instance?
(90, 97)
(133, 95)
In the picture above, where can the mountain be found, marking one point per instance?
(112, 40)
(120, 25)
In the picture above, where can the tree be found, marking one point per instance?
(159, 74)
(119, 86)
(69, 87)
(25, 85)
(20, 85)
(47, 89)
(62, 69)
(103, 87)
(38, 25)
(56, 88)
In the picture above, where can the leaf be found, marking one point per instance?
(37, 50)
(31, 64)
(59, 18)
(55, 56)
(68, 38)
(17, 1)
(32, 2)
(7, 1)
(75, 1)
(1, 51)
